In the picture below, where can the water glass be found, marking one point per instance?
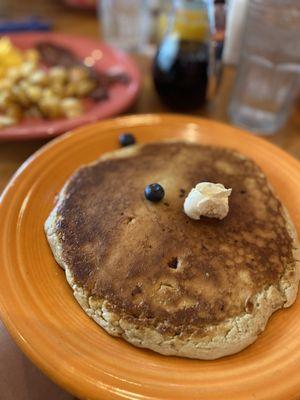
(125, 23)
(268, 75)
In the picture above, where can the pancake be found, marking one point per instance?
(148, 273)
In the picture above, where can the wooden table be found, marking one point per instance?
(19, 379)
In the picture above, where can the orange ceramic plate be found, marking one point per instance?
(38, 307)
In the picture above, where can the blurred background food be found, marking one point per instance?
(204, 57)
(28, 89)
(187, 44)
(10, 56)
(47, 81)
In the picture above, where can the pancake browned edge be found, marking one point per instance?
(146, 272)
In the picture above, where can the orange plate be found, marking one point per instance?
(39, 310)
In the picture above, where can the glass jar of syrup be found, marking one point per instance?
(181, 64)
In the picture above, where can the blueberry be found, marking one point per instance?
(154, 192)
(126, 139)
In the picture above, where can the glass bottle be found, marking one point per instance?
(181, 64)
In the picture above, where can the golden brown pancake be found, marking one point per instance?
(147, 272)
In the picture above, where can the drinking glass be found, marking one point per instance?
(125, 23)
(268, 75)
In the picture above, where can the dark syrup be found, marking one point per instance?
(180, 73)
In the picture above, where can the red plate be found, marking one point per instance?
(120, 96)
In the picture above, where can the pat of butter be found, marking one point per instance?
(207, 199)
